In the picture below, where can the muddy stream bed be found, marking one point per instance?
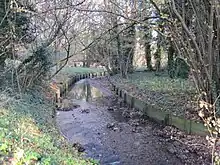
(109, 131)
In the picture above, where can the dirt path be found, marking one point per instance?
(109, 131)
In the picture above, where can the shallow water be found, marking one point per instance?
(119, 144)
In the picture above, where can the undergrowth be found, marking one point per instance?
(28, 134)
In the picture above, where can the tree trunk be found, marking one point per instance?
(88, 92)
(171, 52)
(127, 54)
(131, 35)
(148, 56)
(116, 55)
(157, 57)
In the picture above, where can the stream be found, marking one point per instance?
(100, 125)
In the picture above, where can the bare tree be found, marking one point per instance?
(195, 31)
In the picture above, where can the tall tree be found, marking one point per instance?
(195, 31)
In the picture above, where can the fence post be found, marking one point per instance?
(132, 102)
(125, 98)
(166, 119)
(120, 93)
(116, 90)
(67, 87)
(190, 127)
(57, 96)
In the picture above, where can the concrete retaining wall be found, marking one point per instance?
(65, 86)
(151, 111)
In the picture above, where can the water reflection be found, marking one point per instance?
(124, 145)
(83, 90)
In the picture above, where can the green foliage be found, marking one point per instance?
(181, 69)
(28, 134)
(36, 67)
(40, 60)
(14, 29)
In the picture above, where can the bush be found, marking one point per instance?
(181, 68)
(36, 67)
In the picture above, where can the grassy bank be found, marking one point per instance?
(28, 134)
(71, 71)
(176, 96)
(161, 83)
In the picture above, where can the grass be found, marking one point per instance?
(75, 70)
(71, 71)
(28, 134)
(162, 83)
(176, 96)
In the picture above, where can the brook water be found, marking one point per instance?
(99, 126)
